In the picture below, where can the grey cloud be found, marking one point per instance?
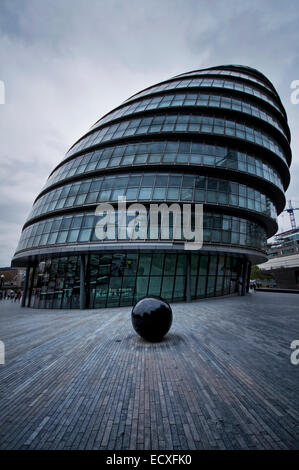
(66, 63)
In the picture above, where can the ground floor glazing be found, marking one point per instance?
(119, 279)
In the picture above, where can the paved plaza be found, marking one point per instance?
(221, 379)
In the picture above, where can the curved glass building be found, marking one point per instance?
(216, 136)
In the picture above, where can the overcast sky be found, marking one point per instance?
(64, 63)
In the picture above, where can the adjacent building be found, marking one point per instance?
(283, 262)
(216, 136)
(11, 278)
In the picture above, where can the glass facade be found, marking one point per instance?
(80, 228)
(236, 85)
(180, 123)
(194, 99)
(219, 72)
(217, 137)
(118, 279)
(166, 153)
(154, 187)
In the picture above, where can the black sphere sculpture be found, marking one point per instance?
(152, 318)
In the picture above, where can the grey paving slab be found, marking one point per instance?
(221, 379)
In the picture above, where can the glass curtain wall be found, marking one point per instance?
(121, 279)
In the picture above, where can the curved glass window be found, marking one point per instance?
(79, 228)
(208, 82)
(179, 123)
(169, 152)
(151, 187)
(227, 73)
(119, 279)
(193, 99)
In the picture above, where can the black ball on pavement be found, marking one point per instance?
(152, 318)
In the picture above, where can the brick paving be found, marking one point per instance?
(221, 379)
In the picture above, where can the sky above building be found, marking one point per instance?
(66, 63)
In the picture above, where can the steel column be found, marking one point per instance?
(82, 283)
(24, 294)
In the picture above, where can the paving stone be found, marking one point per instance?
(221, 378)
